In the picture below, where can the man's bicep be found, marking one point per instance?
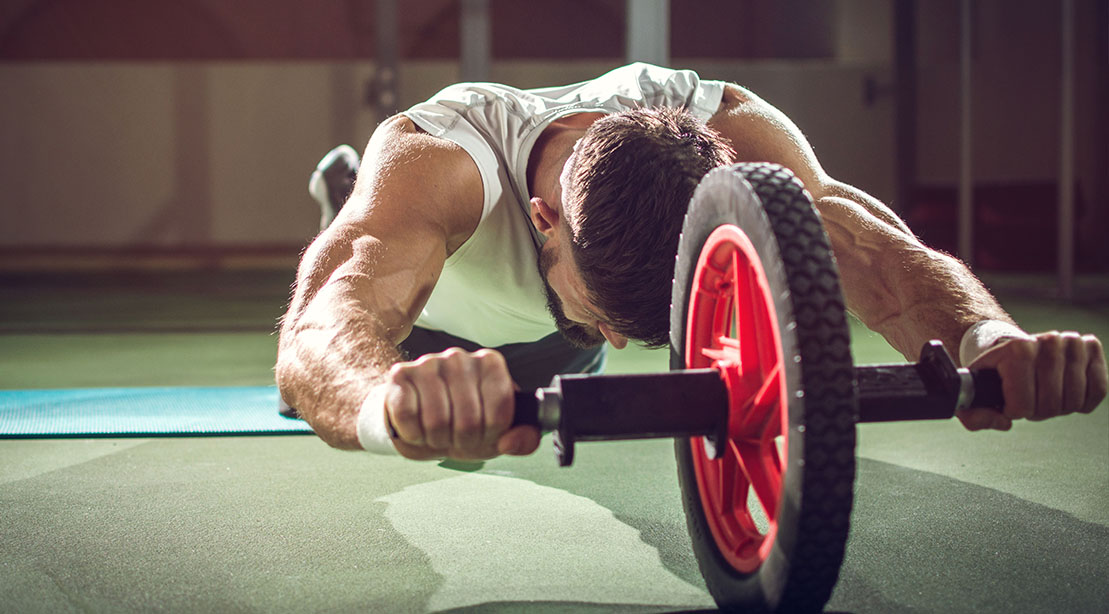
(407, 172)
(381, 276)
(415, 196)
(759, 132)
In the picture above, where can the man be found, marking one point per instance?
(490, 217)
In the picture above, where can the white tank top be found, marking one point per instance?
(490, 291)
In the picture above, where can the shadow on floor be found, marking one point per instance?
(560, 607)
(920, 542)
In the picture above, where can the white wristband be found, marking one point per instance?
(984, 335)
(373, 432)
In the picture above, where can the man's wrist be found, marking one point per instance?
(983, 336)
(373, 428)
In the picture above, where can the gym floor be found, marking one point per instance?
(944, 520)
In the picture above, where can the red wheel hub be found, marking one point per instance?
(732, 326)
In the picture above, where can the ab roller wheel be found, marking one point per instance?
(756, 296)
(762, 397)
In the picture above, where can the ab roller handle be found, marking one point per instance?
(695, 402)
(931, 389)
(688, 403)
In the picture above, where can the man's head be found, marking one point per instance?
(625, 191)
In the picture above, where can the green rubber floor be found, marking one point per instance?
(944, 520)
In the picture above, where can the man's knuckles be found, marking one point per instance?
(1097, 376)
(491, 360)
(456, 364)
(1095, 347)
(1021, 350)
(1049, 347)
(1074, 348)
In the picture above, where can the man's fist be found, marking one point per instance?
(456, 404)
(1042, 376)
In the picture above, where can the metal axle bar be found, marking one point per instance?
(695, 402)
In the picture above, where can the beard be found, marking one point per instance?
(575, 334)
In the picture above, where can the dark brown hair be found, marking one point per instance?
(631, 182)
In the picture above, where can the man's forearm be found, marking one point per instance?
(898, 287)
(940, 299)
(328, 360)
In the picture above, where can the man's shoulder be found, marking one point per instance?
(417, 176)
(409, 153)
(400, 132)
(737, 99)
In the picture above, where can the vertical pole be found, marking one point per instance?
(192, 148)
(1098, 175)
(904, 29)
(383, 89)
(1066, 157)
(477, 49)
(966, 137)
(648, 32)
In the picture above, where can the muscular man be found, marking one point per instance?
(496, 237)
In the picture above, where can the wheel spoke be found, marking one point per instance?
(764, 324)
(758, 468)
(729, 476)
(728, 342)
(759, 409)
(769, 440)
(727, 352)
(722, 312)
(747, 332)
(717, 354)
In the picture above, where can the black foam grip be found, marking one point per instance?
(527, 409)
(987, 389)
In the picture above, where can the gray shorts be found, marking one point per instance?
(531, 364)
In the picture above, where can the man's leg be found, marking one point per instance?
(532, 365)
(333, 180)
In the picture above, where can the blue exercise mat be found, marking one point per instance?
(144, 412)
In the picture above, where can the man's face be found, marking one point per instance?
(579, 334)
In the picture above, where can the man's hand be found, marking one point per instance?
(455, 404)
(1042, 376)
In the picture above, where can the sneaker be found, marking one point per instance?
(333, 180)
(286, 410)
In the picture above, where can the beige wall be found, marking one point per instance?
(165, 154)
(200, 153)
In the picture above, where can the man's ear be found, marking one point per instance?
(543, 216)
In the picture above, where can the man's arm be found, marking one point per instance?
(909, 293)
(362, 284)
